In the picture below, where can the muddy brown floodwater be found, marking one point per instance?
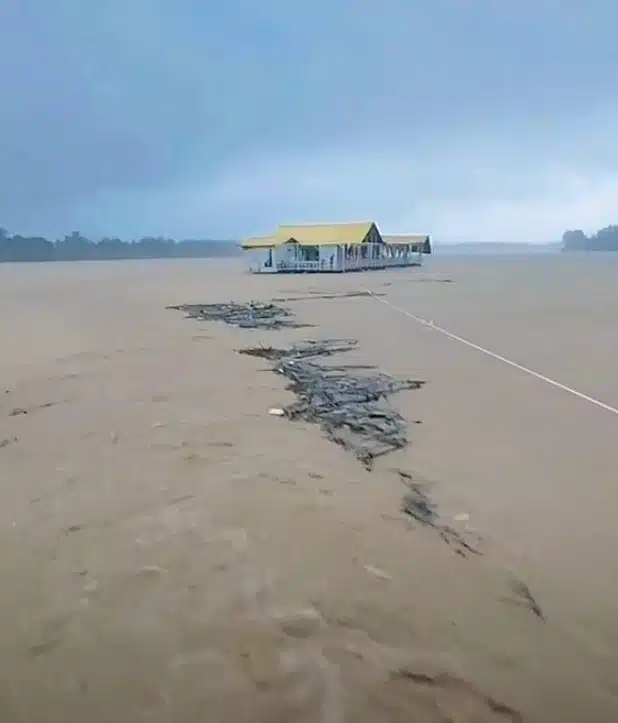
(170, 551)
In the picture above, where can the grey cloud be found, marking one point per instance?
(106, 104)
(91, 99)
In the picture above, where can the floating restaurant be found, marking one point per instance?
(336, 248)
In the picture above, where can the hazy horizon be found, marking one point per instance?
(465, 119)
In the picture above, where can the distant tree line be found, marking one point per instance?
(606, 239)
(75, 247)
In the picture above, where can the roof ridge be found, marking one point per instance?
(326, 223)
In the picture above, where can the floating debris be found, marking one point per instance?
(417, 504)
(152, 570)
(19, 411)
(45, 647)
(350, 408)
(181, 498)
(72, 528)
(461, 517)
(434, 281)
(524, 598)
(474, 704)
(337, 295)
(304, 350)
(377, 572)
(252, 315)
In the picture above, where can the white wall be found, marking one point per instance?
(287, 253)
(326, 252)
(257, 258)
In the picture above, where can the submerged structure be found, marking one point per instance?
(335, 248)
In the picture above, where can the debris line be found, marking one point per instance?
(250, 315)
(351, 408)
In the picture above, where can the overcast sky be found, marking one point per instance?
(489, 120)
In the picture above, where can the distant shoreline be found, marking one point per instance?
(97, 259)
(74, 247)
(230, 250)
(495, 249)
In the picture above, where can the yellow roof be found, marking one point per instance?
(326, 234)
(405, 239)
(259, 242)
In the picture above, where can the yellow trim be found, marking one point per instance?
(260, 242)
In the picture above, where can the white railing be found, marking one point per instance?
(343, 265)
(299, 265)
(413, 260)
(380, 263)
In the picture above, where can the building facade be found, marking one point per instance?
(334, 248)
